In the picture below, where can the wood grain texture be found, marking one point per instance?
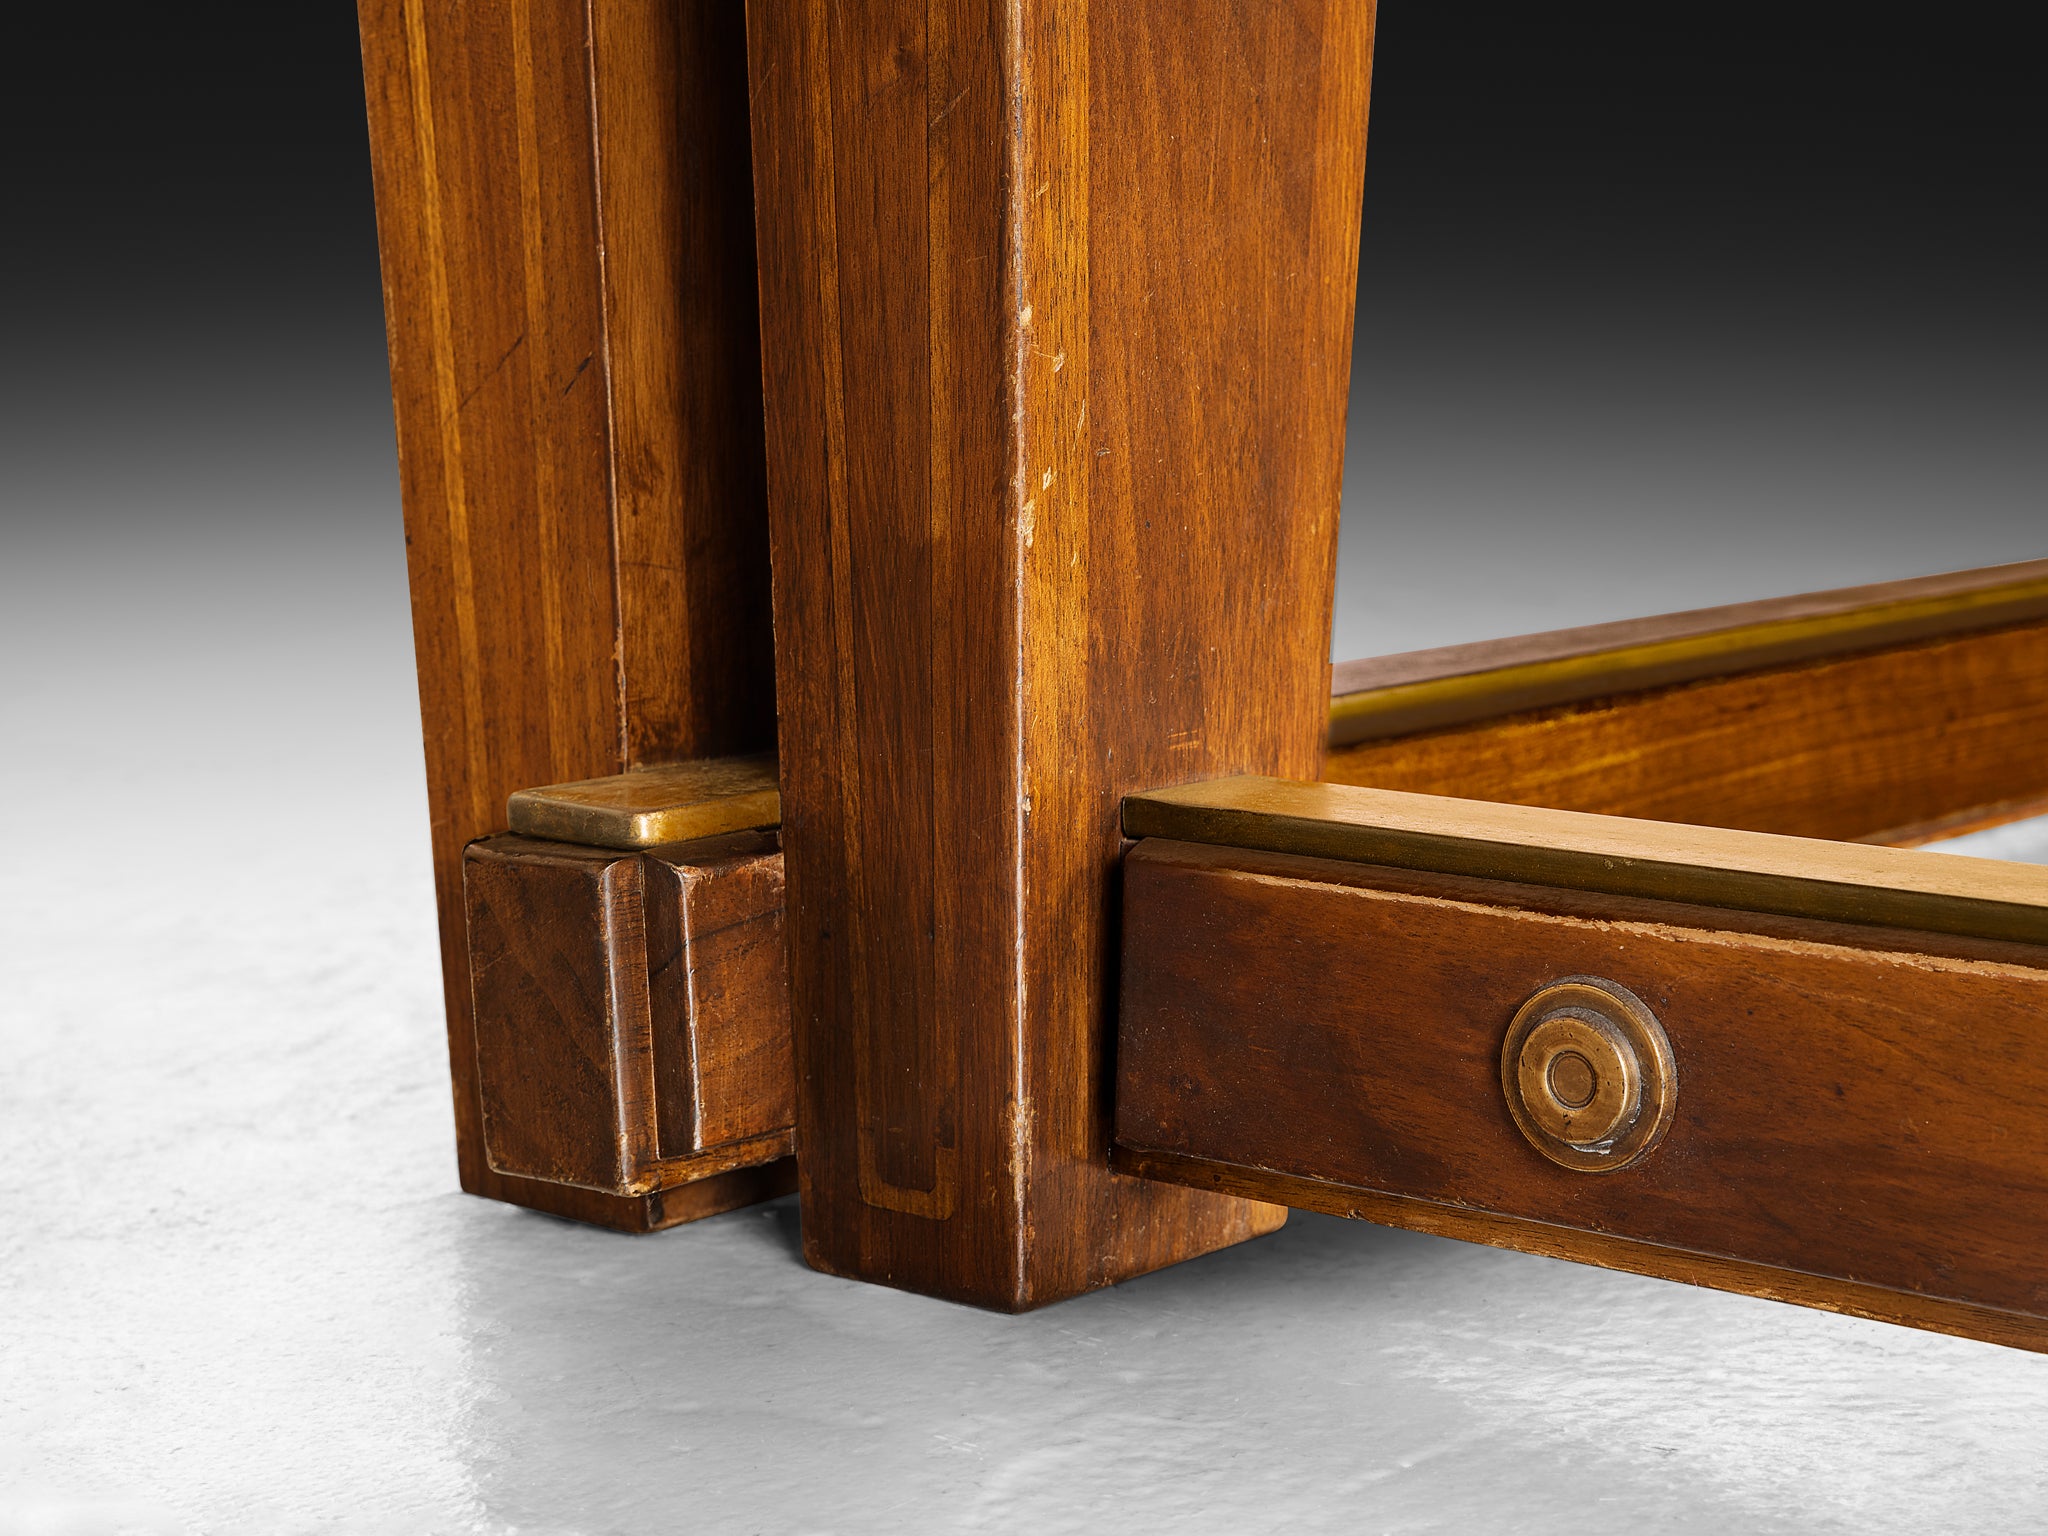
(683, 367)
(1397, 695)
(567, 259)
(558, 971)
(1056, 305)
(631, 1011)
(719, 990)
(1858, 1124)
(1895, 745)
(1988, 1324)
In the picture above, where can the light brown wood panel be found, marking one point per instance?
(573, 428)
(1858, 1114)
(1056, 306)
(1893, 745)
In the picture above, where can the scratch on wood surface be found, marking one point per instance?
(947, 110)
(495, 369)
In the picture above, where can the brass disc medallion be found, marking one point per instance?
(1588, 1074)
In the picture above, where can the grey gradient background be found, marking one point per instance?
(1663, 308)
(1659, 310)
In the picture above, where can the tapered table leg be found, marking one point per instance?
(1056, 317)
(562, 208)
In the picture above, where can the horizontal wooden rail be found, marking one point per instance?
(1923, 733)
(1707, 866)
(1398, 695)
(1913, 710)
(1324, 990)
(1894, 713)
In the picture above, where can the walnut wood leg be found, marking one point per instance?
(562, 203)
(1056, 307)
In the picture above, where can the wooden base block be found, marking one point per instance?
(632, 1020)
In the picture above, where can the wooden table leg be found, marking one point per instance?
(562, 204)
(1056, 307)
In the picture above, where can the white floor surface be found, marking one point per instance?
(239, 1291)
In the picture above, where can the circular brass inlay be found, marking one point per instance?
(1588, 1074)
(1571, 1080)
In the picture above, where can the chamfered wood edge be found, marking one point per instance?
(1415, 691)
(1705, 866)
(1712, 1271)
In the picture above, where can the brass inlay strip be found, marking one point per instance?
(1606, 659)
(1616, 855)
(650, 806)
